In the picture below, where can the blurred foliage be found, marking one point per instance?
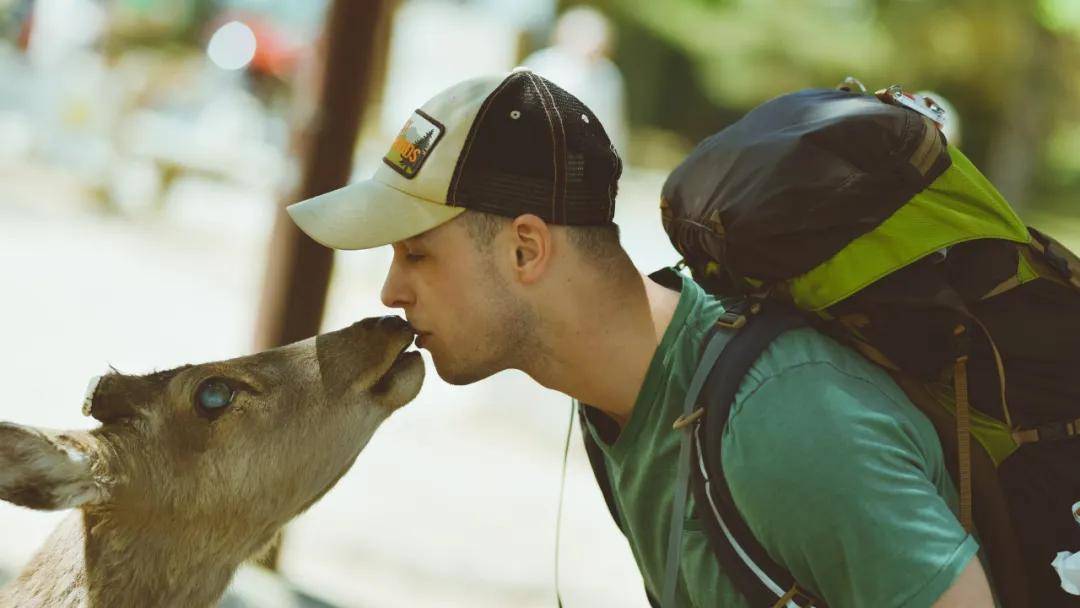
(1010, 67)
(176, 25)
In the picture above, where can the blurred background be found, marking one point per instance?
(148, 146)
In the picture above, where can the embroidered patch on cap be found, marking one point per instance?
(414, 144)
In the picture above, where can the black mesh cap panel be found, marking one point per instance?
(534, 148)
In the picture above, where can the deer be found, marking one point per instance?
(194, 470)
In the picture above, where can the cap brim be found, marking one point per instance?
(368, 214)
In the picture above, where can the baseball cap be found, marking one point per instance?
(507, 145)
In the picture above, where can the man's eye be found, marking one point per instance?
(414, 257)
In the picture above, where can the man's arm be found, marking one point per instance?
(971, 589)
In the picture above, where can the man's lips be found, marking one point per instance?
(421, 338)
(421, 335)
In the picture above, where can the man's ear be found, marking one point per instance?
(45, 470)
(532, 247)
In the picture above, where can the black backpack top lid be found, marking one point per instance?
(795, 180)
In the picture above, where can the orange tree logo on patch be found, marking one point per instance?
(414, 144)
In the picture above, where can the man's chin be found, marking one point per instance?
(458, 376)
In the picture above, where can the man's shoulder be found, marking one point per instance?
(812, 385)
(807, 388)
(815, 362)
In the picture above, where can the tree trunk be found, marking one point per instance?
(298, 269)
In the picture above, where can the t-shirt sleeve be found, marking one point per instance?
(842, 482)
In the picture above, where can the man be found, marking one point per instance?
(498, 198)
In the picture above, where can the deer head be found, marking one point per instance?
(219, 454)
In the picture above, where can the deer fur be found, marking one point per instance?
(169, 500)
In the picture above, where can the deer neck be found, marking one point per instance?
(94, 560)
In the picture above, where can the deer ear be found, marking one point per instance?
(109, 398)
(45, 470)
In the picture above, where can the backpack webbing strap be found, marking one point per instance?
(963, 442)
(1054, 431)
(691, 411)
(761, 580)
(1064, 262)
(993, 517)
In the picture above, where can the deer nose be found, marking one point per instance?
(393, 322)
(388, 323)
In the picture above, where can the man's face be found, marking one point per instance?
(460, 301)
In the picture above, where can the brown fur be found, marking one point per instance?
(171, 502)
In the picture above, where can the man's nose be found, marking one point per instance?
(394, 293)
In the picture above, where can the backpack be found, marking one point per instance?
(853, 214)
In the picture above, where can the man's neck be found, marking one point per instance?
(601, 342)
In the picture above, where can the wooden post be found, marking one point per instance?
(298, 271)
(354, 45)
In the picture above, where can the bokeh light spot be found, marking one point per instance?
(232, 47)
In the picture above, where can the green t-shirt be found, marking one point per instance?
(840, 478)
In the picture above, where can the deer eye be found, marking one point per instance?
(213, 397)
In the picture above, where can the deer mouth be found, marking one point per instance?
(388, 385)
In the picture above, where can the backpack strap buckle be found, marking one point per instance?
(896, 96)
(1054, 431)
(730, 320)
(687, 419)
(736, 315)
(796, 595)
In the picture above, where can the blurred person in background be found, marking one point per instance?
(498, 198)
(579, 60)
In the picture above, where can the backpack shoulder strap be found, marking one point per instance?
(755, 574)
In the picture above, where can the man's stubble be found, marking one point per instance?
(508, 337)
